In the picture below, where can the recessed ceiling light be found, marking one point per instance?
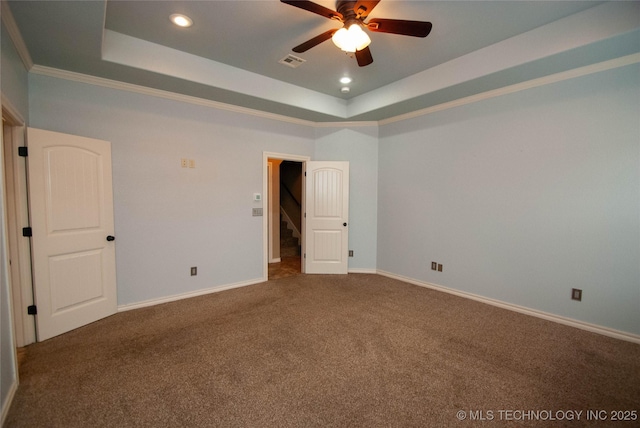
(345, 89)
(345, 80)
(181, 20)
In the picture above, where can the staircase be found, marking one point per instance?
(289, 244)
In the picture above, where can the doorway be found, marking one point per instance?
(286, 216)
(284, 219)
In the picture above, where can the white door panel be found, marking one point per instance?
(327, 217)
(71, 201)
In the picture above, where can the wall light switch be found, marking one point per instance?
(576, 294)
(192, 163)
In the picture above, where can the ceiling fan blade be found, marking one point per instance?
(400, 26)
(314, 8)
(364, 8)
(364, 57)
(314, 42)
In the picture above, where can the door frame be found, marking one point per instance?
(17, 208)
(265, 192)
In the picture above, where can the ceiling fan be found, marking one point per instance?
(351, 37)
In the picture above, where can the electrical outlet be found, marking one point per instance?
(439, 267)
(576, 294)
(350, 253)
(434, 266)
(194, 271)
(184, 162)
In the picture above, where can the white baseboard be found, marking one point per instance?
(361, 270)
(605, 331)
(153, 302)
(6, 405)
(276, 260)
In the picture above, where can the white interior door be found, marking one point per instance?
(327, 217)
(71, 205)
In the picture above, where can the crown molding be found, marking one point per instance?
(16, 36)
(529, 84)
(353, 124)
(129, 87)
(114, 84)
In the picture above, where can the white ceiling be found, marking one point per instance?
(231, 52)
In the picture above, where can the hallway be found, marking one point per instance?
(289, 266)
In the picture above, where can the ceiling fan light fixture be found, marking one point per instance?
(351, 39)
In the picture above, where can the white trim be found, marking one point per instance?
(6, 405)
(276, 260)
(353, 124)
(269, 196)
(16, 36)
(530, 84)
(534, 83)
(175, 297)
(605, 331)
(8, 108)
(122, 86)
(265, 189)
(362, 270)
(5, 273)
(17, 216)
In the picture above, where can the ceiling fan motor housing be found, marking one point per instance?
(346, 9)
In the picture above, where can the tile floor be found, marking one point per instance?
(288, 266)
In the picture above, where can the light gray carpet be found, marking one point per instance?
(317, 351)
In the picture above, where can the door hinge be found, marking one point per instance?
(27, 231)
(305, 255)
(23, 151)
(305, 215)
(32, 310)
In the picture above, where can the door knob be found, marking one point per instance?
(111, 238)
(344, 224)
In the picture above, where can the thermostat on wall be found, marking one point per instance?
(257, 197)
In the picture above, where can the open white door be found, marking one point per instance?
(71, 205)
(327, 217)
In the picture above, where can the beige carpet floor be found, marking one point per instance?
(325, 351)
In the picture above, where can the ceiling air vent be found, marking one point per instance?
(292, 61)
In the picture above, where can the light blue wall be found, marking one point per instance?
(13, 76)
(359, 146)
(13, 82)
(522, 198)
(169, 218)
